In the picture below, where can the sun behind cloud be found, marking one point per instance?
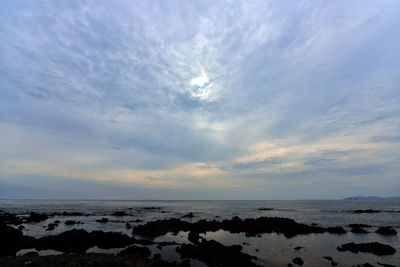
(200, 85)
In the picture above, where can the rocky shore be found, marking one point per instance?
(134, 251)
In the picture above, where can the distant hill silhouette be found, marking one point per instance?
(368, 198)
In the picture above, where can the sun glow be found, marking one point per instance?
(200, 85)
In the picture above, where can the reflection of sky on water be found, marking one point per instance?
(277, 250)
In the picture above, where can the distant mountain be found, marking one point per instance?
(369, 198)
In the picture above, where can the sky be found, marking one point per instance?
(199, 99)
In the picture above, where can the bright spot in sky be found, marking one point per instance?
(200, 85)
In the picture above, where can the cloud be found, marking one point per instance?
(193, 95)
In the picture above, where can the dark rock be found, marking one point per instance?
(167, 243)
(51, 226)
(336, 230)
(65, 213)
(157, 256)
(79, 241)
(8, 218)
(70, 222)
(354, 225)
(385, 265)
(137, 221)
(21, 227)
(213, 253)
(30, 264)
(151, 208)
(128, 226)
(102, 220)
(245, 244)
(358, 230)
(194, 237)
(386, 230)
(119, 213)
(298, 248)
(36, 217)
(57, 221)
(373, 247)
(333, 263)
(12, 240)
(265, 209)
(136, 252)
(87, 259)
(298, 261)
(366, 265)
(252, 227)
(31, 254)
(189, 215)
(367, 211)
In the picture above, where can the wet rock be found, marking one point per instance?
(354, 225)
(9, 218)
(386, 230)
(252, 227)
(36, 217)
(358, 230)
(189, 215)
(336, 230)
(30, 264)
(329, 258)
(194, 237)
(102, 220)
(385, 265)
(12, 240)
(367, 211)
(31, 254)
(373, 247)
(78, 240)
(298, 261)
(70, 222)
(87, 259)
(157, 256)
(51, 226)
(136, 252)
(167, 243)
(119, 213)
(215, 254)
(65, 213)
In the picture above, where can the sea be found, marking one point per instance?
(271, 249)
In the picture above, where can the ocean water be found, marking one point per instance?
(270, 249)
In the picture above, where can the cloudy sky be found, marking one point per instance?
(199, 99)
